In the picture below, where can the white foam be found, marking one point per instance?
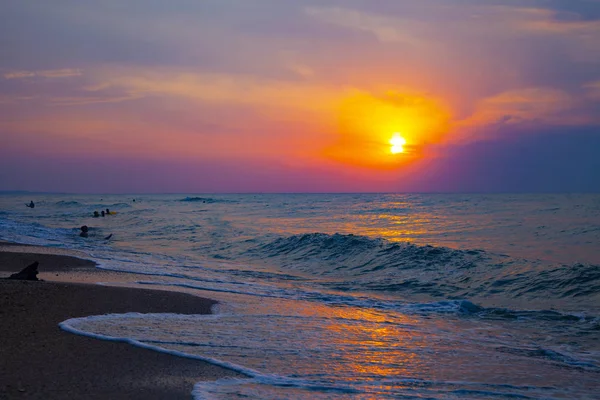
(68, 326)
(202, 390)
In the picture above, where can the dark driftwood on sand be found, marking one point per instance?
(28, 273)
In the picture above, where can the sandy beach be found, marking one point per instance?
(39, 360)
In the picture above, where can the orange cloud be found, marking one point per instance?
(516, 106)
(542, 106)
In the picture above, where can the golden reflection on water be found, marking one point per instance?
(371, 345)
(401, 228)
(406, 223)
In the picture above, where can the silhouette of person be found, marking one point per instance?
(103, 213)
(84, 231)
(96, 214)
(31, 204)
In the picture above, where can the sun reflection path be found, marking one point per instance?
(374, 346)
(351, 352)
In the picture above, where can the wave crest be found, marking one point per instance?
(355, 263)
(362, 254)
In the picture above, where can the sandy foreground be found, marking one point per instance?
(38, 360)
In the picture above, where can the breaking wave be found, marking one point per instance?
(354, 262)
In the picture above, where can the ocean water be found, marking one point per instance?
(351, 296)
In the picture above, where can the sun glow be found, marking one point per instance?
(397, 124)
(397, 142)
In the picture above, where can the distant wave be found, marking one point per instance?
(119, 205)
(203, 200)
(64, 203)
(73, 203)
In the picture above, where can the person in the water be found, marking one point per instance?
(31, 204)
(103, 213)
(96, 214)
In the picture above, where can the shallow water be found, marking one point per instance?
(353, 296)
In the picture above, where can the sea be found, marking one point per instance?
(350, 296)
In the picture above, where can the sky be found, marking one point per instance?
(217, 96)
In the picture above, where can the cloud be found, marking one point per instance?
(54, 88)
(561, 159)
(550, 21)
(536, 106)
(385, 29)
(219, 88)
(338, 76)
(60, 73)
(517, 106)
(593, 90)
(580, 37)
(441, 25)
(50, 74)
(85, 100)
(19, 75)
(528, 111)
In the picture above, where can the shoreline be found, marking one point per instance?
(40, 360)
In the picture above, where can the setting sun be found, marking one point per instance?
(397, 143)
(395, 123)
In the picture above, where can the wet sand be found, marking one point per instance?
(39, 360)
